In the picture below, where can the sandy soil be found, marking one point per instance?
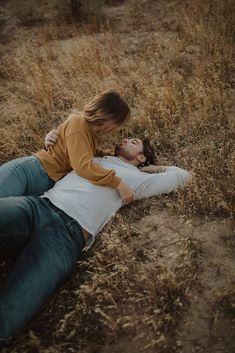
(203, 327)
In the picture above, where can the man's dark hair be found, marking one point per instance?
(148, 152)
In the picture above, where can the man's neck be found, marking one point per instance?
(126, 160)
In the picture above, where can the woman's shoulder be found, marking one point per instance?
(76, 115)
(75, 121)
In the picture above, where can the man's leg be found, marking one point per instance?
(19, 216)
(23, 176)
(16, 223)
(45, 262)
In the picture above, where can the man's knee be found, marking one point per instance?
(12, 213)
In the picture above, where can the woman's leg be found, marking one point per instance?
(45, 262)
(24, 176)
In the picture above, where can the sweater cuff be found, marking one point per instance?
(115, 182)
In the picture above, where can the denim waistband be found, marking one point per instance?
(68, 222)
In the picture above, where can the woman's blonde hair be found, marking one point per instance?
(108, 105)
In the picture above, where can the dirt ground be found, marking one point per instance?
(203, 327)
(199, 251)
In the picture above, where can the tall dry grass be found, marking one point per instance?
(182, 83)
(174, 64)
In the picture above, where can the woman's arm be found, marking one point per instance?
(52, 137)
(124, 190)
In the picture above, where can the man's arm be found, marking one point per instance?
(153, 169)
(163, 182)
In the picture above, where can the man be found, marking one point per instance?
(50, 231)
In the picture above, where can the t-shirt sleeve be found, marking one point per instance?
(162, 183)
(81, 160)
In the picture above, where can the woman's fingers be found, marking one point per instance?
(51, 138)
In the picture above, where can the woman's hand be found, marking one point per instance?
(125, 192)
(51, 138)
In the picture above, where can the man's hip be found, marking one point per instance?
(72, 225)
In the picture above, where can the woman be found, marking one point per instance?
(77, 145)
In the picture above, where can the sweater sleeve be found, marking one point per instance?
(81, 160)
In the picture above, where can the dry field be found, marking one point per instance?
(161, 277)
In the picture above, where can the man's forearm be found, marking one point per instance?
(153, 169)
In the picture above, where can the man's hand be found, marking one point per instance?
(125, 192)
(153, 169)
(51, 138)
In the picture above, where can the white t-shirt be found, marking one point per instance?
(92, 206)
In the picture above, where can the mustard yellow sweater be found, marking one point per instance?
(75, 149)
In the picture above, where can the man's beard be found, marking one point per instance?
(119, 151)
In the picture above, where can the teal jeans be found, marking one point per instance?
(49, 243)
(24, 176)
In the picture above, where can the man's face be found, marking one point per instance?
(130, 149)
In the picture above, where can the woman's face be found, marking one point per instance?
(104, 127)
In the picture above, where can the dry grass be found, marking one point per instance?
(174, 64)
(184, 92)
